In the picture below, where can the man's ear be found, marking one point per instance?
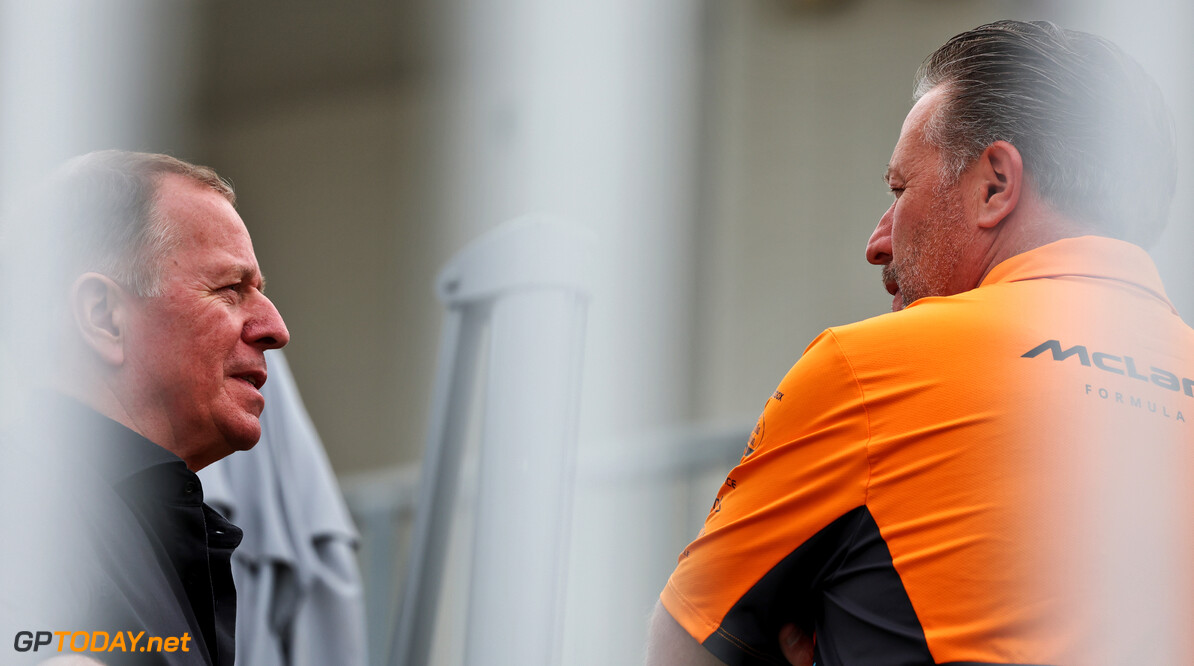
(997, 181)
(99, 307)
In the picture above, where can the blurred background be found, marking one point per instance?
(725, 156)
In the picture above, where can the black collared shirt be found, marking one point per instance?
(143, 553)
(192, 538)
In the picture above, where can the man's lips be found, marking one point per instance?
(255, 378)
(889, 279)
(892, 287)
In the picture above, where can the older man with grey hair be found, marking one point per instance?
(149, 328)
(1000, 471)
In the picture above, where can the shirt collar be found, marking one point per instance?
(1084, 256)
(113, 450)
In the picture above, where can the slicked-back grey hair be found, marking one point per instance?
(1091, 126)
(103, 208)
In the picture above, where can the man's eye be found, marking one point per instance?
(896, 191)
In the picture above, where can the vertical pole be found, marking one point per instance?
(528, 447)
(589, 111)
(455, 371)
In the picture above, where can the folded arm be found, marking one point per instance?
(668, 644)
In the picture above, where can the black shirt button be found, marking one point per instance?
(190, 487)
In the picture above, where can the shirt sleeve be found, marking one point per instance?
(751, 570)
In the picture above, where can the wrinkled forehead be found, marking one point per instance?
(192, 206)
(207, 231)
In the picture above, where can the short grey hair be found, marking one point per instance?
(1092, 127)
(103, 206)
(96, 213)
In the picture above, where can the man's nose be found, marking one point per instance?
(878, 248)
(266, 329)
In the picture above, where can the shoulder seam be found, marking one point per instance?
(866, 410)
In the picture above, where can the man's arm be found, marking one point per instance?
(791, 502)
(668, 644)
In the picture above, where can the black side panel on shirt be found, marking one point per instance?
(840, 584)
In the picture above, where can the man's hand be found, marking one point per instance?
(796, 646)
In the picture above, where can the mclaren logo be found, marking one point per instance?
(1119, 365)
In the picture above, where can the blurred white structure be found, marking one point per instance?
(682, 463)
(588, 111)
(516, 301)
(74, 76)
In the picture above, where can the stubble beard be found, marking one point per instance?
(928, 266)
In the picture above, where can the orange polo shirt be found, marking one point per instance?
(999, 476)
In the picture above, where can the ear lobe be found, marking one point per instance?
(99, 307)
(1000, 172)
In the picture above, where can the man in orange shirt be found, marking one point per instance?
(998, 471)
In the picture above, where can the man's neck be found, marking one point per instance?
(102, 401)
(1033, 224)
(92, 391)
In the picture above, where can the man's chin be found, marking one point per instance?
(241, 435)
(246, 439)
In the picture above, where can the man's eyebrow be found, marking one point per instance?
(887, 175)
(246, 273)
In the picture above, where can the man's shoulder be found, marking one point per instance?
(922, 321)
(933, 337)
